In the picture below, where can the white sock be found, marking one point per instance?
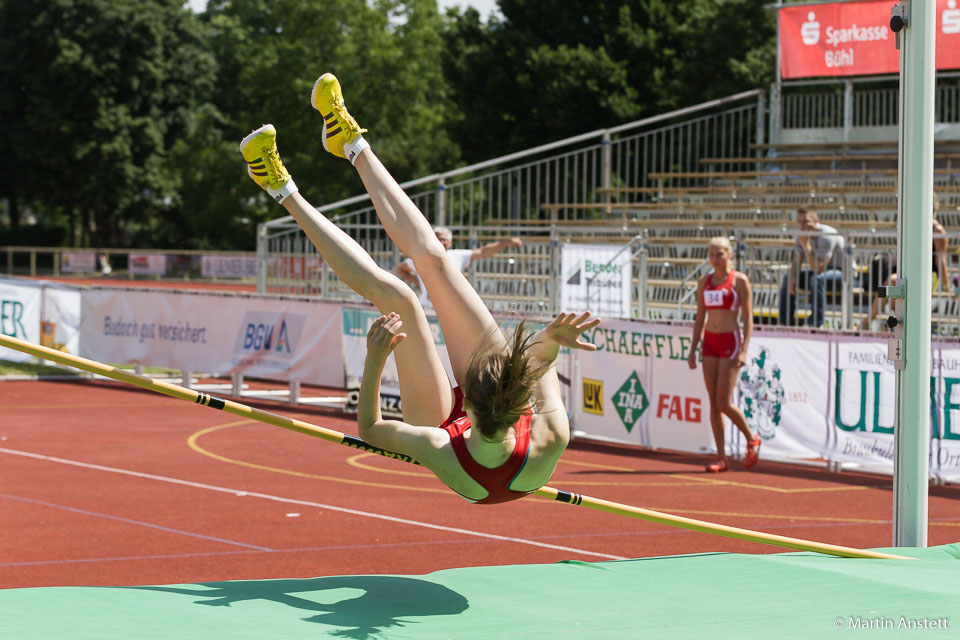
(283, 192)
(352, 149)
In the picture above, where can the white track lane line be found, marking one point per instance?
(318, 505)
(139, 523)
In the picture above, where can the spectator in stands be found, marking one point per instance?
(460, 257)
(821, 247)
(883, 269)
(504, 432)
(721, 295)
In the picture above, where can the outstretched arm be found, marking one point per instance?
(566, 330)
(495, 247)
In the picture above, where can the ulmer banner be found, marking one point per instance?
(854, 39)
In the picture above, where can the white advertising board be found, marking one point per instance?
(147, 264)
(78, 262)
(228, 266)
(267, 337)
(596, 278)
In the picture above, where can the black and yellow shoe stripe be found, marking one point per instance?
(257, 167)
(331, 123)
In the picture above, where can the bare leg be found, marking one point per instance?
(463, 316)
(727, 373)
(424, 386)
(710, 368)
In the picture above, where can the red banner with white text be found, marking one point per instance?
(854, 39)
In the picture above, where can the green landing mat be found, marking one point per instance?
(793, 595)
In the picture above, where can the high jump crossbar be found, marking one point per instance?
(330, 435)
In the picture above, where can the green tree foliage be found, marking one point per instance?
(555, 68)
(96, 94)
(123, 118)
(387, 56)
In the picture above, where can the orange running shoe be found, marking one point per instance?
(718, 466)
(753, 453)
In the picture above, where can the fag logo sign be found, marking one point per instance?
(593, 396)
(631, 401)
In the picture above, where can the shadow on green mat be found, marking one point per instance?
(381, 604)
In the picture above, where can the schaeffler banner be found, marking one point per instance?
(854, 39)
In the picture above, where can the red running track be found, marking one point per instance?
(105, 484)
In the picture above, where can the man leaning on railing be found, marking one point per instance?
(821, 247)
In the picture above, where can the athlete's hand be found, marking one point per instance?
(567, 328)
(384, 336)
(692, 359)
(741, 359)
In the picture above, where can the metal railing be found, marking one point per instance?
(838, 104)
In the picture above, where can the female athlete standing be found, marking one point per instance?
(504, 427)
(720, 297)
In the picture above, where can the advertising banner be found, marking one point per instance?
(596, 277)
(76, 262)
(854, 38)
(60, 324)
(809, 397)
(638, 388)
(20, 303)
(147, 264)
(228, 266)
(266, 337)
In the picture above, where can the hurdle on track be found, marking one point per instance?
(330, 435)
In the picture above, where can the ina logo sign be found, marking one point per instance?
(631, 401)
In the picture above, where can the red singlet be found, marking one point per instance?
(495, 481)
(722, 296)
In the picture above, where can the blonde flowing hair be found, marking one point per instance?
(498, 385)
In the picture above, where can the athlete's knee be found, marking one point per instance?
(430, 256)
(390, 293)
(726, 407)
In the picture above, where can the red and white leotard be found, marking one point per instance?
(721, 297)
(495, 481)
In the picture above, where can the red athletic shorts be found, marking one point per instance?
(721, 345)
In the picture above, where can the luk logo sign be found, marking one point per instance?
(631, 401)
(269, 333)
(593, 396)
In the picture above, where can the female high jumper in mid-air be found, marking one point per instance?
(504, 427)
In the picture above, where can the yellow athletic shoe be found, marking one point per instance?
(259, 149)
(341, 133)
